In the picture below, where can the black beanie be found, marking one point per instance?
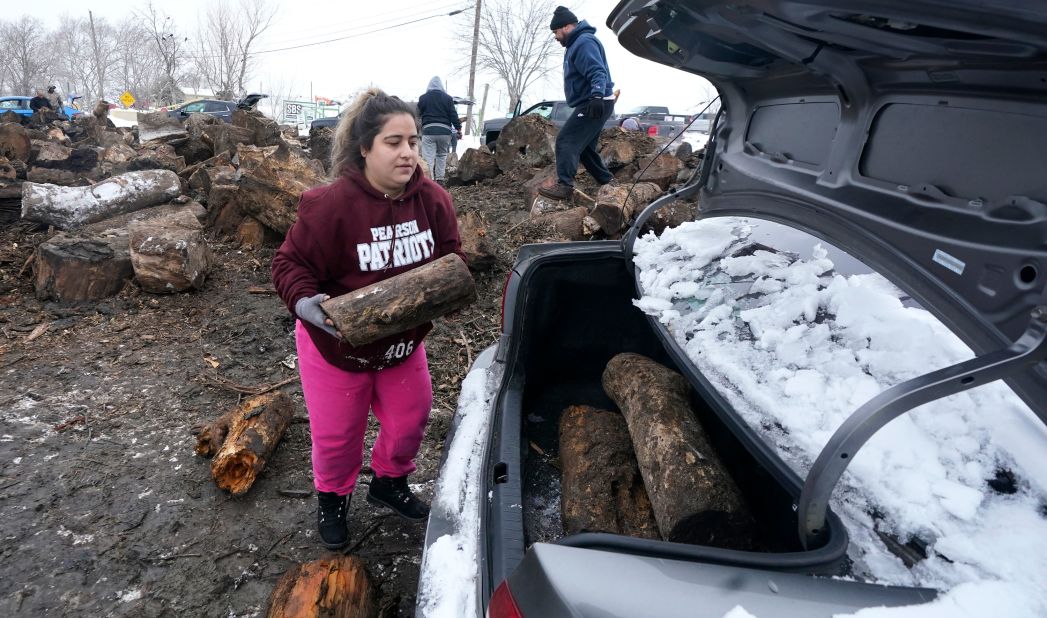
(561, 17)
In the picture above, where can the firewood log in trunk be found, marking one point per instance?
(695, 500)
(336, 586)
(601, 490)
(402, 302)
(243, 438)
(68, 207)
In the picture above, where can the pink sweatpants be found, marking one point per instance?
(338, 402)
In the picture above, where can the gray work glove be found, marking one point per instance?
(308, 309)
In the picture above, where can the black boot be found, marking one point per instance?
(559, 191)
(392, 492)
(330, 519)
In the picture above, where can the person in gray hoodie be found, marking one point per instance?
(439, 122)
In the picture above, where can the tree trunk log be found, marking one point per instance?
(477, 164)
(15, 142)
(526, 141)
(695, 500)
(601, 490)
(270, 191)
(402, 302)
(72, 269)
(248, 434)
(332, 587)
(570, 224)
(612, 212)
(478, 249)
(169, 253)
(68, 207)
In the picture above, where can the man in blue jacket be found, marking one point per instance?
(588, 87)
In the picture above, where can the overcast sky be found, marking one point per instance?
(402, 58)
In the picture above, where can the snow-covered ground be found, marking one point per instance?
(802, 347)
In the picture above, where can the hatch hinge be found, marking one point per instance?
(1028, 350)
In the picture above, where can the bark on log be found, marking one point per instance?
(15, 142)
(270, 192)
(402, 302)
(242, 439)
(612, 212)
(7, 171)
(526, 141)
(332, 587)
(224, 213)
(320, 141)
(264, 131)
(10, 201)
(662, 171)
(120, 222)
(601, 490)
(570, 224)
(620, 148)
(68, 207)
(75, 268)
(60, 178)
(478, 249)
(477, 164)
(169, 253)
(695, 500)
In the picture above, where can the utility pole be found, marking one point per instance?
(99, 71)
(470, 128)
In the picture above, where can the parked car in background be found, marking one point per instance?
(217, 108)
(870, 240)
(20, 106)
(556, 112)
(656, 121)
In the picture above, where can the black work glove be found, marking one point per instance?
(597, 106)
(308, 309)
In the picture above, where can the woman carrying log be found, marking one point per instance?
(379, 217)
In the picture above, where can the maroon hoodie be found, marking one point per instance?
(349, 235)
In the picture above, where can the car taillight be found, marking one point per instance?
(652, 130)
(502, 604)
(505, 288)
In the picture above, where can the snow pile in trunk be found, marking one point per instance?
(796, 348)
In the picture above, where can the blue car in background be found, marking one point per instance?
(20, 106)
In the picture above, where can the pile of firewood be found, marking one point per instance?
(526, 152)
(650, 470)
(130, 209)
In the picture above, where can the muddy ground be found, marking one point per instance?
(104, 508)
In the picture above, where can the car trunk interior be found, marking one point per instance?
(582, 316)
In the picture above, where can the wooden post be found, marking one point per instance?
(470, 128)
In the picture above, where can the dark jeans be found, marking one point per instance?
(576, 142)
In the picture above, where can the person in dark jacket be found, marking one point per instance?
(40, 101)
(439, 123)
(590, 91)
(380, 217)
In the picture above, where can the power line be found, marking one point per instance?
(353, 36)
(340, 28)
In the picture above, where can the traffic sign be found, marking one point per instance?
(127, 98)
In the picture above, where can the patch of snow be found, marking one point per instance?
(796, 347)
(448, 579)
(130, 595)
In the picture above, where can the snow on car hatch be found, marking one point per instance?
(795, 345)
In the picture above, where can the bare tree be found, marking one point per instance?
(71, 44)
(279, 88)
(23, 44)
(169, 46)
(515, 43)
(226, 36)
(137, 65)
